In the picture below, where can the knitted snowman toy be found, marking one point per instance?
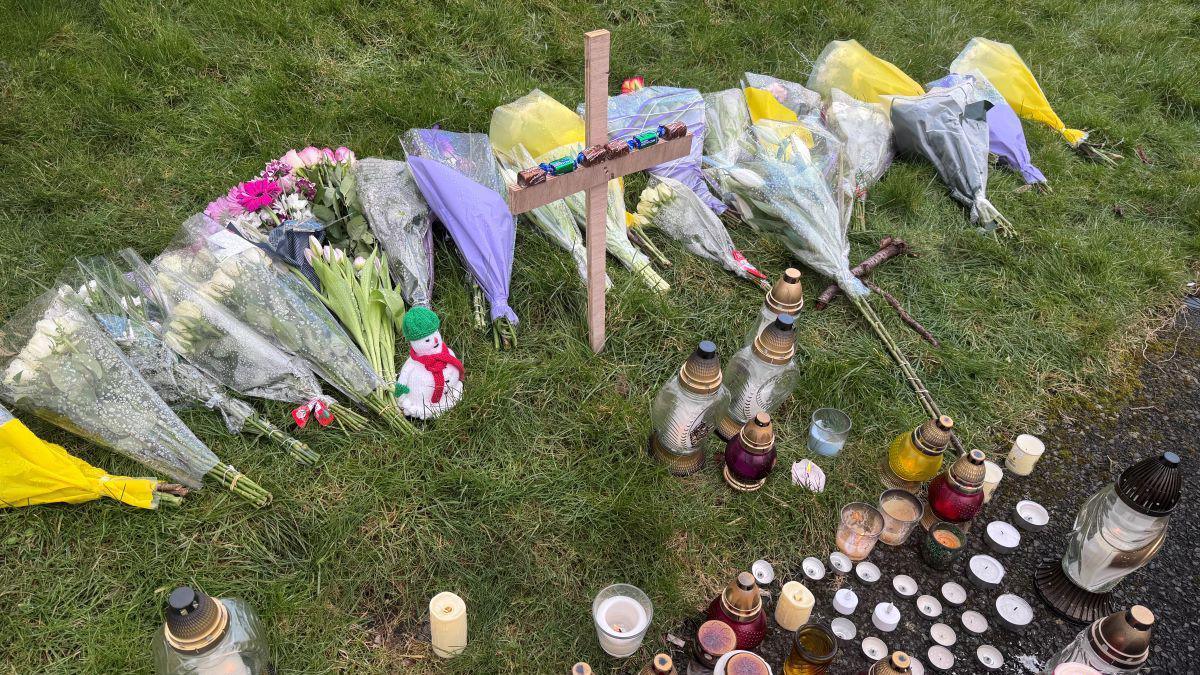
(431, 381)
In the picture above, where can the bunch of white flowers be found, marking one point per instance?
(293, 207)
(652, 199)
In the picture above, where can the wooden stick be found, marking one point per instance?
(905, 316)
(595, 97)
(888, 248)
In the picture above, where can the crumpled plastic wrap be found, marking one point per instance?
(865, 131)
(792, 95)
(402, 222)
(847, 65)
(786, 108)
(949, 128)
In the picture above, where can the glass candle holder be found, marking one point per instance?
(859, 529)
(942, 546)
(901, 512)
(622, 614)
(828, 431)
(1026, 450)
(813, 649)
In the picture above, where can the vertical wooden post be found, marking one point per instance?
(595, 100)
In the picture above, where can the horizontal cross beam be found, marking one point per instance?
(522, 199)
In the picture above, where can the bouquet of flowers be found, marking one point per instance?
(866, 132)
(361, 294)
(274, 302)
(62, 367)
(678, 211)
(133, 321)
(335, 194)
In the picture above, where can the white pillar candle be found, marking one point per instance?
(886, 617)
(794, 607)
(845, 601)
(448, 624)
(992, 474)
(1026, 451)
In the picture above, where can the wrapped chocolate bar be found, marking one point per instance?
(672, 130)
(531, 177)
(616, 149)
(592, 155)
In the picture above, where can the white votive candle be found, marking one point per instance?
(992, 475)
(621, 622)
(448, 624)
(1026, 451)
(845, 601)
(794, 607)
(886, 617)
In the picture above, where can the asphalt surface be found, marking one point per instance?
(1085, 450)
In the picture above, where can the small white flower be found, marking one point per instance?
(18, 370)
(187, 310)
(46, 327)
(39, 347)
(221, 284)
(360, 262)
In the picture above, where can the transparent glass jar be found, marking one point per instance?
(1118, 644)
(757, 386)
(1109, 541)
(685, 411)
(242, 650)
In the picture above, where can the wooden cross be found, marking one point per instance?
(593, 180)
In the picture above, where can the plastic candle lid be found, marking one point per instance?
(843, 628)
(763, 571)
(904, 585)
(813, 568)
(874, 648)
(840, 562)
(990, 657)
(867, 571)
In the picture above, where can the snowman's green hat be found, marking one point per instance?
(420, 323)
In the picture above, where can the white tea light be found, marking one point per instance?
(1031, 516)
(1002, 537)
(943, 634)
(940, 658)
(813, 568)
(622, 613)
(929, 606)
(886, 617)
(867, 571)
(990, 657)
(843, 628)
(845, 601)
(1014, 613)
(905, 585)
(974, 622)
(840, 562)
(915, 666)
(794, 607)
(992, 475)
(1026, 451)
(986, 571)
(763, 571)
(954, 593)
(874, 648)
(448, 624)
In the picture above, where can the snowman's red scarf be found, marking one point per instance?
(436, 365)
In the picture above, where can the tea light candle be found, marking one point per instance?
(840, 562)
(794, 607)
(622, 613)
(843, 628)
(845, 601)
(992, 475)
(929, 606)
(448, 624)
(813, 568)
(763, 571)
(915, 666)
(1031, 516)
(986, 571)
(886, 617)
(954, 593)
(943, 634)
(974, 622)
(874, 648)
(868, 572)
(905, 585)
(990, 657)
(940, 658)
(1002, 537)
(1014, 613)
(1026, 451)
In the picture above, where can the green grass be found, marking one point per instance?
(118, 119)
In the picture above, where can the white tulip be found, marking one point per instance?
(187, 310)
(746, 177)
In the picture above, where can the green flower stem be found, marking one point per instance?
(296, 448)
(347, 418)
(239, 484)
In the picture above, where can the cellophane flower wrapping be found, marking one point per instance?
(949, 128)
(208, 336)
(549, 130)
(650, 107)
(271, 300)
(780, 192)
(677, 211)
(133, 320)
(865, 131)
(847, 65)
(402, 222)
(63, 368)
(788, 108)
(458, 175)
(555, 219)
(792, 95)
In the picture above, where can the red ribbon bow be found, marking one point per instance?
(314, 409)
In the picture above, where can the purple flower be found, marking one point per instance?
(255, 194)
(276, 169)
(306, 188)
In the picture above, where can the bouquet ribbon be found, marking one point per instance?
(315, 409)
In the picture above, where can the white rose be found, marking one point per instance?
(46, 327)
(17, 371)
(221, 283)
(40, 346)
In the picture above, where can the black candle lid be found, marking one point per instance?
(1152, 486)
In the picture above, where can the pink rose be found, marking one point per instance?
(292, 159)
(311, 156)
(343, 154)
(328, 155)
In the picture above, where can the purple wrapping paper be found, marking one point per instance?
(476, 215)
(1006, 136)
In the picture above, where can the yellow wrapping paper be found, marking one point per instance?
(1006, 70)
(847, 65)
(33, 471)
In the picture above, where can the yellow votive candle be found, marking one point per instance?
(448, 624)
(794, 607)
(1026, 451)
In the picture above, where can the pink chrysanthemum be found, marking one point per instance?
(224, 209)
(256, 194)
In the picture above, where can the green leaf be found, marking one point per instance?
(324, 213)
(392, 302)
(329, 196)
(356, 227)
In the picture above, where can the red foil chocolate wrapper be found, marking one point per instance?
(593, 155)
(674, 130)
(617, 149)
(531, 177)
